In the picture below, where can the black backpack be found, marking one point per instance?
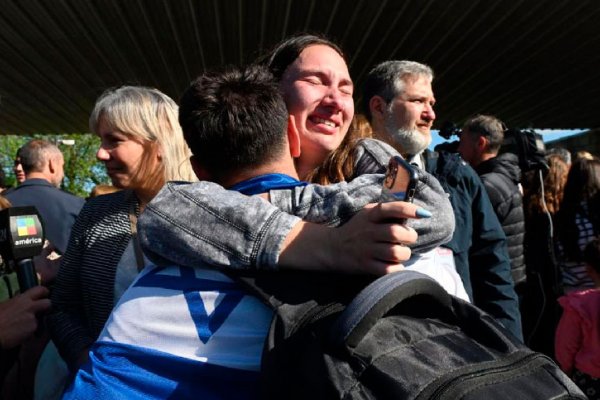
(401, 337)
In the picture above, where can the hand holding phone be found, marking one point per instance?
(400, 181)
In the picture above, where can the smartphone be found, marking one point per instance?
(400, 182)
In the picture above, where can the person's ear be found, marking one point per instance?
(199, 170)
(481, 143)
(52, 165)
(377, 106)
(293, 137)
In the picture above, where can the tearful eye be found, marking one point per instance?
(313, 81)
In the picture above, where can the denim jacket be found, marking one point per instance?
(191, 223)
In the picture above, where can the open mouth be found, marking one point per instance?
(328, 125)
(326, 122)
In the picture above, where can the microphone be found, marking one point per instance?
(21, 239)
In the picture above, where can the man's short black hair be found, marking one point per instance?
(234, 119)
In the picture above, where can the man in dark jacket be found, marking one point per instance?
(43, 164)
(398, 101)
(480, 142)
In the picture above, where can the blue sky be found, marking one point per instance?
(547, 134)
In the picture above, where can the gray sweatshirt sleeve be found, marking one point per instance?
(372, 156)
(192, 223)
(334, 204)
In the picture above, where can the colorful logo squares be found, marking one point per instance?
(26, 226)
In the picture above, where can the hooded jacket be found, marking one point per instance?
(578, 333)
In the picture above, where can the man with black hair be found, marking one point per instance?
(221, 113)
(398, 101)
(480, 141)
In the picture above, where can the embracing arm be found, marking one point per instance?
(334, 204)
(202, 222)
(197, 223)
(368, 243)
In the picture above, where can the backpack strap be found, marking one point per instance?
(377, 299)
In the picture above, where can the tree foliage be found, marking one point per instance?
(82, 170)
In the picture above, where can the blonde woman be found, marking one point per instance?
(142, 147)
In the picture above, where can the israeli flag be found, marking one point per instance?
(178, 333)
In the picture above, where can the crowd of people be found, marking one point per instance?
(268, 168)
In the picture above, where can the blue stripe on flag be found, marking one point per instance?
(120, 371)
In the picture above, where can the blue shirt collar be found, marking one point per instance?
(264, 183)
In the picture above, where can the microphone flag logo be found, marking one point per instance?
(26, 226)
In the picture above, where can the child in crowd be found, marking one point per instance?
(578, 333)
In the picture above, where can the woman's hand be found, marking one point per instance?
(47, 264)
(370, 242)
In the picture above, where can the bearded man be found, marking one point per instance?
(398, 101)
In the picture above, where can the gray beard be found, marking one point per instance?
(412, 141)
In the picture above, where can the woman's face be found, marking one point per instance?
(318, 91)
(122, 156)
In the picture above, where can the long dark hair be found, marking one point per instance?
(288, 50)
(581, 196)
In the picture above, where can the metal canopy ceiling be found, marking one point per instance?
(532, 63)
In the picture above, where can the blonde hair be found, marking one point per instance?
(150, 117)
